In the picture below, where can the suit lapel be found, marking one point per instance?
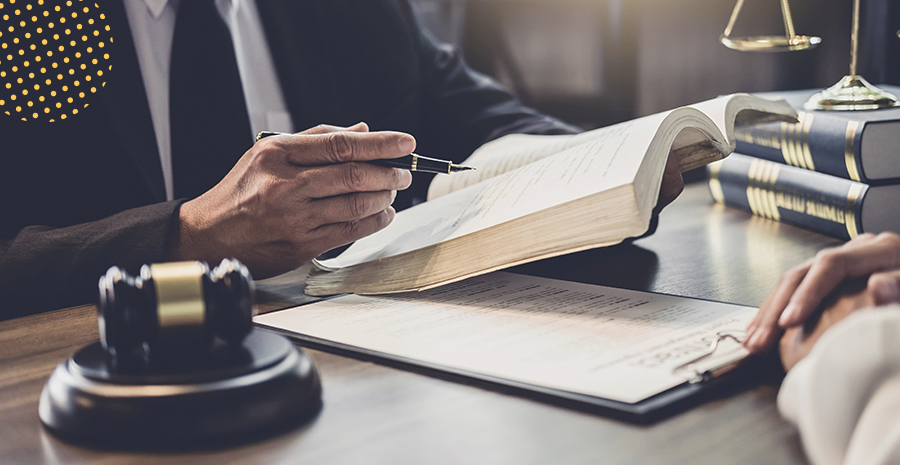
(126, 103)
(293, 32)
(341, 62)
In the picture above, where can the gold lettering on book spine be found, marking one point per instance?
(850, 149)
(807, 119)
(796, 142)
(762, 177)
(765, 200)
(769, 185)
(826, 211)
(850, 217)
(757, 191)
(751, 188)
(787, 147)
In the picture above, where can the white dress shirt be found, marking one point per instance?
(845, 395)
(152, 25)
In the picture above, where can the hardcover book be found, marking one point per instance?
(826, 204)
(535, 197)
(856, 145)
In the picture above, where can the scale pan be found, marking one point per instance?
(770, 43)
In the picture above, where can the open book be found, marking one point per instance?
(535, 197)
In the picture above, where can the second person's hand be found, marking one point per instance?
(802, 289)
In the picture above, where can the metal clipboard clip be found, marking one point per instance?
(719, 368)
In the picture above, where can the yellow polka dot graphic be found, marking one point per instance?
(54, 57)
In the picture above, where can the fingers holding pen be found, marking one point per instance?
(313, 152)
(337, 234)
(324, 146)
(322, 182)
(349, 207)
(328, 128)
(346, 198)
(293, 196)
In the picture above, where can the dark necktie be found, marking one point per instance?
(210, 128)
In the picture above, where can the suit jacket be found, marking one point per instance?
(82, 194)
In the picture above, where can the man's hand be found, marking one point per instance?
(672, 184)
(801, 290)
(292, 197)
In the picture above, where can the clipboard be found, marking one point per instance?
(409, 333)
(706, 384)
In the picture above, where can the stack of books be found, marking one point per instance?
(834, 172)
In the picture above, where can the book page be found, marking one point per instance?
(594, 340)
(506, 154)
(598, 165)
(516, 150)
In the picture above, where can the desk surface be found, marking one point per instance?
(377, 414)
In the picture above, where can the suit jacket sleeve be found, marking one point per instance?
(42, 268)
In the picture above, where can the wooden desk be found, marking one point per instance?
(377, 414)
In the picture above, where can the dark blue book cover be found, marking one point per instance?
(855, 145)
(815, 201)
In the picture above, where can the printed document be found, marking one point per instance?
(599, 341)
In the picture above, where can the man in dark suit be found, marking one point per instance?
(85, 193)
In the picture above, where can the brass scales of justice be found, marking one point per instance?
(852, 92)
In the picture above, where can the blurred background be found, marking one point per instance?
(597, 62)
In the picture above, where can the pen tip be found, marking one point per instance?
(456, 168)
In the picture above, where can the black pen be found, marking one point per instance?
(412, 162)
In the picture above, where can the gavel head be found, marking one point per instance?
(174, 307)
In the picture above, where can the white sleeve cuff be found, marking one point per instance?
(827, 392)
